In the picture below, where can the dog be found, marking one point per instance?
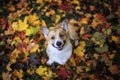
(59, 47)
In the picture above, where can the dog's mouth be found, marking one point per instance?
(59, 47)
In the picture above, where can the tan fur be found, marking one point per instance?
(71, 28)
(59, 47)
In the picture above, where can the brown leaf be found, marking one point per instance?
(114, 69)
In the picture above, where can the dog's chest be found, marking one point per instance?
(62, 54)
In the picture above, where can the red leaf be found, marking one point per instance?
(64, 73)
(22, 46)
(21, 34)
(87, 36)
(65, 7)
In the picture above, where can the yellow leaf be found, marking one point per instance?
(75, 2)
(52, 12)
(57, 18)
(15, 54)
(111, 56)
(19, 73)
(32, 30)
(26, 40)
(6, 76)
(42, 71)
(87, 69)
(18, 39)
(30, 71)
(84, 21)
(35, 48)
(82, 31)
(115, 39)
(79, 51)
(39, 1)
(20, 25)
(32, 18)
(96, 56)
(8, 67)
(94, 24)
(72, 60)
(82, 43)
(43, 23)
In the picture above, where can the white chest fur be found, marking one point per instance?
(59, 56)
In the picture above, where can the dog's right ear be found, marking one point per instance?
(64, 25)
(45, 31)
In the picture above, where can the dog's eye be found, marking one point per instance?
(53, 37)
(61, 35)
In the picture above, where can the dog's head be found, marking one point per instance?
(57, 36)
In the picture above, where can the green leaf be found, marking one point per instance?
(99, 38)
(32, 30)
(117, 28)
(102, 49)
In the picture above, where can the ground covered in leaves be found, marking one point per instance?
(22, 45)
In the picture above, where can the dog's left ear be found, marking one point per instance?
(45, 31)
(64, 25)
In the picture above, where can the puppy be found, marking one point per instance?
(59, 47)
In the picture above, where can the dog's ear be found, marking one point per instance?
(45, 31)
(64, 25)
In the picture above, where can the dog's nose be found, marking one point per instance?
(59, 43)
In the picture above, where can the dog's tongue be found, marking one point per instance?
(60, 48)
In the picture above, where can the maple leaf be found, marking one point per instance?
(6, 76)
(64, 73)
(79, 51)
(57, 18)
(31, 72)
(102, 49)
(92, 8)
(65, 7)
(42, 71)
(98, 38)
(114, 69)
(20, 25)
(8, 67)
(32, 18)
(99, 17)
(31, 30)
(18, 73)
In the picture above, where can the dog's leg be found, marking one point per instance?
(49, 62)
(76, 43)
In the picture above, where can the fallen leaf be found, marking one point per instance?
(79, 51)
(92, 8)
(20, 25)
(102, 49)
(6, 76)
(8, 67)
(32, 30)
(64, 73)
(18, 73)
(72, 60)
(42, 71)
(114, 69)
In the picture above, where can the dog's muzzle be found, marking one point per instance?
(59, 45)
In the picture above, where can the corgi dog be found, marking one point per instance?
(59, 47)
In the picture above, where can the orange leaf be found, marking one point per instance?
(92, 8)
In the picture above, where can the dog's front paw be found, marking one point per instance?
(76, 42)
(49, 62)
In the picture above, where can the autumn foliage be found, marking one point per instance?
(22, 44)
